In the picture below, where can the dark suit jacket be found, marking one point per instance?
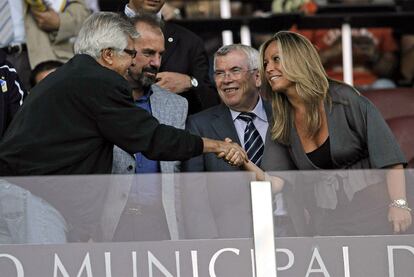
(72, 119)
(214, 123)
(185, 53)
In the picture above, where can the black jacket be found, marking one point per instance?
(72, 119)
(185, 53)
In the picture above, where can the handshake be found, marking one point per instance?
(228, 150)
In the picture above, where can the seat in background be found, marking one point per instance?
(403, 130)
(392, 103)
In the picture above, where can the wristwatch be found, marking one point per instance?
(194, 82)
(400, 203)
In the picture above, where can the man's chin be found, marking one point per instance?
(147, 82)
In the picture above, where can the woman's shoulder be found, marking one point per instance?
(345, 94)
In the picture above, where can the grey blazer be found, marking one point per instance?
(359, 138)
(169, 109)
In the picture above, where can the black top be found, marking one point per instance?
(185, 53)
(72, 119)
(321, 156)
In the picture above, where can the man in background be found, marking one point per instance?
(184, 67)
(42, 70)
(35, 33)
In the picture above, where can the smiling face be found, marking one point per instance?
(120, 62)
(237, 84)
(150, 47)
(147, 6)
(273, 69)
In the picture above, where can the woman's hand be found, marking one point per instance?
(400, 218)
(276, 182)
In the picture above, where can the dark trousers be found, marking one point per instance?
(20, 61)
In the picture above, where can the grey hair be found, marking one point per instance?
(104, 30)
(251, 53)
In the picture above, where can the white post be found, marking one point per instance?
(264, 240)
(347, 54)
(225, 12)
(245, 36)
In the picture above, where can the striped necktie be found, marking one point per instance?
(6, 24)
(253, 143)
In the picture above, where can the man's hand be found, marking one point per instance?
(173, 81)
(232, 157)
(230, 151)
(48, 21)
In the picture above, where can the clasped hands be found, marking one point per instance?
(233, 153)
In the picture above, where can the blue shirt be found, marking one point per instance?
(144, 165)
(146, 193)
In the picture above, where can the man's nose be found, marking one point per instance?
(156, 62)
(133, 62)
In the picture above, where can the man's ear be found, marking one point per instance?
(257, 78)
(107, 56)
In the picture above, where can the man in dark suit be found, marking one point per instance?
(72, 120)
(238, 82)
(184, 67)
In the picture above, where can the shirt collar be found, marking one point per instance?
(131, 13)
(146, 96)
(258, 110)
(128, 11)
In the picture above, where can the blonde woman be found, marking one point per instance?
(329, 125)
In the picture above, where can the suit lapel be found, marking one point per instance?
(223, 124)
(268, 109)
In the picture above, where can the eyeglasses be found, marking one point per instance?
(235, 72)
(131, 52)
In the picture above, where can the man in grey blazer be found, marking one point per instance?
(238, 82)
(149, 211)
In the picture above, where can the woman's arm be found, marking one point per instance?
(399, 216)
(277, 183)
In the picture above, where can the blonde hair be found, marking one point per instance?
(302, 66)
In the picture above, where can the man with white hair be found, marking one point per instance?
(72, 120)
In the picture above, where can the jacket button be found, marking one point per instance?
(130, 167)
